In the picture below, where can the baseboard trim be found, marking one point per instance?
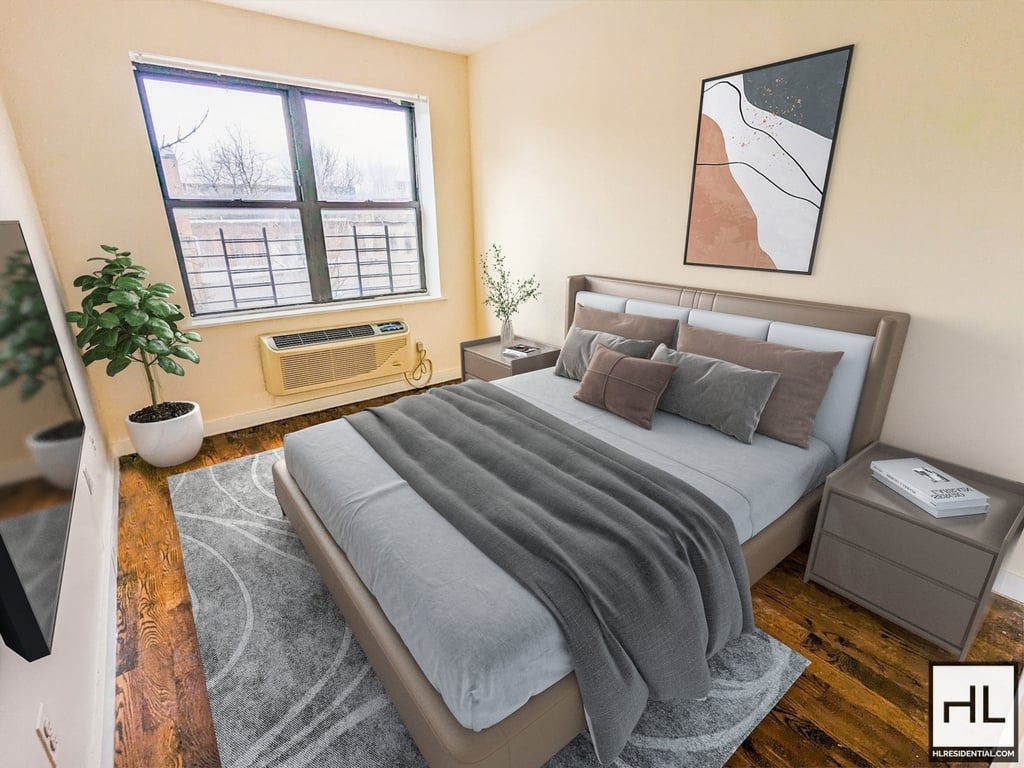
(1009, 584)
(234, 422)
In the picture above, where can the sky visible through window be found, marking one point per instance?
(223, 128)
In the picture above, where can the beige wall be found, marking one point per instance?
(72, 681)
(583, 135)
(75, 110)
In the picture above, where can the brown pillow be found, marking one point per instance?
(629, 387)
(790, 411)
(657, 329)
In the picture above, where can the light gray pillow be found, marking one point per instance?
(580, 344)
(723, 395)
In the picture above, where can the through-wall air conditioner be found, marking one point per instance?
(333, 357)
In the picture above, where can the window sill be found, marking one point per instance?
(307, 310)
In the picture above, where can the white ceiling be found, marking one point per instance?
(459, 26)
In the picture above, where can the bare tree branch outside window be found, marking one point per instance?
(233, 165)
(336, 176)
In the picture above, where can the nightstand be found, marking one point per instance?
(482, 359)
(930, 575)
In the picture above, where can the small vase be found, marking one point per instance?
(508, 336)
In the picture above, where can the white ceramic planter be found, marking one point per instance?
(56, 460)
(168, 443)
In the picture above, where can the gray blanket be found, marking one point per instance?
(643, 573)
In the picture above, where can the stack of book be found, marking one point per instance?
(933, 490)
(520, 350)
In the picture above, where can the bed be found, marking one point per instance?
(501, 720)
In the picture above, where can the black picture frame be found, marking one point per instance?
(766, 138)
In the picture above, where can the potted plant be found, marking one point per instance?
(504, 296)
(125, 320)
(29, 353)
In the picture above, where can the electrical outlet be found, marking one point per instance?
(47, 736)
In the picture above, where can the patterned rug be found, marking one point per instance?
(290, 688)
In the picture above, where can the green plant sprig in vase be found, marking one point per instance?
(504, 295)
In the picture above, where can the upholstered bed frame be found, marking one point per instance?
(552, 718)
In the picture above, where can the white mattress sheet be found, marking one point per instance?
(484, 642)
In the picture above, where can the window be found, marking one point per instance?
(281, 195)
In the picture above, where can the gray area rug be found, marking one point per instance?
(290, 687)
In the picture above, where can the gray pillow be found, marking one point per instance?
(790, 412)
(722, 395)
(580, 345)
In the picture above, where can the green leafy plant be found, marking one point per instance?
(504, 295)
(126, 320)
(29, 351)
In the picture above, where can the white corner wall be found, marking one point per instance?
(75, 682)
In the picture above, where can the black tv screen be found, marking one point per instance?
(40, 447)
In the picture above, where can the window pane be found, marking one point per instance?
(360, 153)
(372, 253)
(221, 143)
(243, 259)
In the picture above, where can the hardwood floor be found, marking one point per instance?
(862, 701)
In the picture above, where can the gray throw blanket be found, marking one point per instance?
(643, 573)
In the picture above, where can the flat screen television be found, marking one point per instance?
(40, 449)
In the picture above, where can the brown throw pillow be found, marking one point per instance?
(659, 329)
(629, 387)
(790, 411)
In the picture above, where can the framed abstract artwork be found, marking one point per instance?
(765, 140)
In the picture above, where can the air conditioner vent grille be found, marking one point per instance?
(322, 336)
(318, 358)
(336, 365)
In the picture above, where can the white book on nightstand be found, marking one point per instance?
(520, 350)
(932, 489)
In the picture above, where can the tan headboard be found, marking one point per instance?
(888, 328)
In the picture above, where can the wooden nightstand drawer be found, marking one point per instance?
(479, 367)
(904, 597)
(930, 553)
